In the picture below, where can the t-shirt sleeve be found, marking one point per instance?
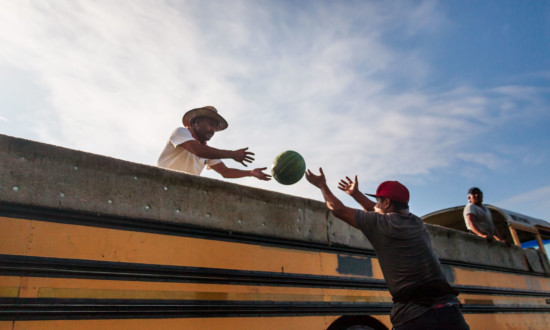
(180, 135)
(367, 222)
(211, 162)
(468, 209)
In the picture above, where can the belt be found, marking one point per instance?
(449, 304)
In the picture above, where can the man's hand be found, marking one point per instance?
(258, 173)
(318, 181)
(242, 156)
(333, 204)
(349, 187)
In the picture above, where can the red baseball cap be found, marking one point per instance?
(392, 190)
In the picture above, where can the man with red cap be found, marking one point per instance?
(187, 151)
(423, 299)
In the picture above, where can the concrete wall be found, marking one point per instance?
(43, 175)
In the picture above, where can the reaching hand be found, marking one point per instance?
(243, 156)
(317, 180)
(258, 173)
(350, 187)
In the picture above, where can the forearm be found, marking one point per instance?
(338, 208)
(364, 201)
(234, 173)
(473, 226)
(205, 151)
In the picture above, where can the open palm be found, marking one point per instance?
(316, 180)
(348, 186)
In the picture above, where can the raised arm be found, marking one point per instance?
(205, 151)
(337, 208)
(352, 189)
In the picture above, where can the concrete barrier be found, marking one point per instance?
(43, 175)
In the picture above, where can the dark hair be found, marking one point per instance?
(197, 118)
(474, 190)
(194, 120)
(398, 206)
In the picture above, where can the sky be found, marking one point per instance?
(439, 95)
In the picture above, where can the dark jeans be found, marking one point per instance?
(440, 318)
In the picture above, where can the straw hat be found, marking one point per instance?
(207, 111)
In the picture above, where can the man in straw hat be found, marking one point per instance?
(422, 297)
(187, 151)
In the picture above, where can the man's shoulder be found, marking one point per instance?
(181, 130)
(182, 133)
(389, 218)
(468, 207)
(406, 218)
(474, 209)
(414, 217)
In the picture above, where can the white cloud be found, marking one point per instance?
(538, 195)
(315, 78)
(533, 203)
(489, 160)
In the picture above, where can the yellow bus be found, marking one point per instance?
(91, 242)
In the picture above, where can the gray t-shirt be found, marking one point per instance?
(483, 218)
(404, 250)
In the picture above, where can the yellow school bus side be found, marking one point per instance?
(89, 242)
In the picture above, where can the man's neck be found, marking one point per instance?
(402, 211)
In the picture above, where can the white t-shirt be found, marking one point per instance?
(179, 158)
(483, 220)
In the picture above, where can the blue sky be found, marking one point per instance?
(440, 95)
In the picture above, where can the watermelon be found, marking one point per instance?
(288, 168)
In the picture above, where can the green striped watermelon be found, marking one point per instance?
(288, 168)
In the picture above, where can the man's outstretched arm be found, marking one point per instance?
(233, 173)
(205, 151)
(352, 188)
(338, 208)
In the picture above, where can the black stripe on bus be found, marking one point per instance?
(62, 309)
(164, 228)
(15, 265)
(11, 265)
(186, 230)
(14, 309)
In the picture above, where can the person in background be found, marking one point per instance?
(422, 297)
(187, 150)
(478, 218)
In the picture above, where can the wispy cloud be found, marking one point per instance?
(489, 160)
(321, 78)
(534, 203)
